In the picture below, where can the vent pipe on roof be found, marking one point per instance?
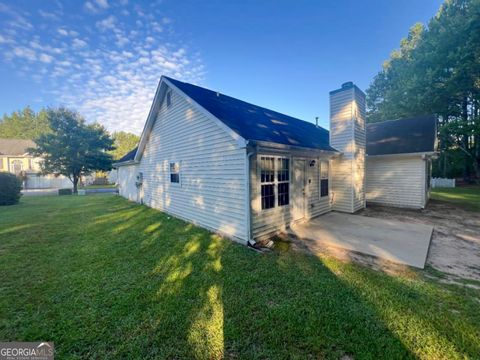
(218, 94)
(316, 121)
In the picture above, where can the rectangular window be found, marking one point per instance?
(175, 172)
(324, 178)
(169, 98)
(267, 179)
(275, 181)
(283, 178)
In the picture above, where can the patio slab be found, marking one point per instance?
(396, 241)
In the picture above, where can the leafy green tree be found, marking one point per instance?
(73, 148)
(437, 71)
(124, 142)
(24, 124)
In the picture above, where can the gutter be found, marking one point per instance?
(283, 147)
(249, 153)
(421, 153)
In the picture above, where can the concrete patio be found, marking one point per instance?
(396, 241)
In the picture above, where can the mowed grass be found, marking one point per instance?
(105, 278)
(467, 197)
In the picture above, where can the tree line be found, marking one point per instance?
(436, 70)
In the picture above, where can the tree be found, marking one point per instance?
(73, 148)
(24, 124)
(124, 142)
(437, 71)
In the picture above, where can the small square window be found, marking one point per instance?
(169, 98)
(175, 172)
(324, 178)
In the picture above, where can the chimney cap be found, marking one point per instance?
(347, 86)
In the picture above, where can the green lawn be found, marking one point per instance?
(105, 278)
(467, 197)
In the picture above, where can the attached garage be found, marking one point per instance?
(398, 164)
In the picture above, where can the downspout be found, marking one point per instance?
(249, 154)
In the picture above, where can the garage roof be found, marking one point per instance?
(411, 135)
(128, 156)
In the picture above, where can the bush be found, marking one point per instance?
(64, 191)
(10, 189)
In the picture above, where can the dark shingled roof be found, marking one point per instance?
(402, 136)
(128, 156)
(253, 122)
(15, 146)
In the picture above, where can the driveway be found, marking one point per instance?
(392, 240)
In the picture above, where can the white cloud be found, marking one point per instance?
(107, 23)
(24, 52)
(96, 6)
(102, 3)
(46, 58)
(107, 69)
(78, 43)
(48, 15)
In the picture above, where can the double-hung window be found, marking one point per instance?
(323, 178)
(175, 172)
(267, 180)
(274, 181)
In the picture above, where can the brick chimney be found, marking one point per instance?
(347, 134)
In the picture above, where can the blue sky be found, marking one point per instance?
(105, 57)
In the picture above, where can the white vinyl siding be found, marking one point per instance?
(211, 191)
(396, 181)
(127, 177)
(267, 222)
(347, 134)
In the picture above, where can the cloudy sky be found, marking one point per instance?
(104, 57)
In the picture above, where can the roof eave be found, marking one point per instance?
(278, 146)
(419, 153)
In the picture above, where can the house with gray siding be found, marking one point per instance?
(248, 172)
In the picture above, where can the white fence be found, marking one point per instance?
(440, 182)
(36, 181)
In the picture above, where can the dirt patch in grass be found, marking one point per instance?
(455, 246)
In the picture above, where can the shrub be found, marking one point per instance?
(10, 189)
(64, 191)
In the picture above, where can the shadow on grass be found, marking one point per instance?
(114, 279)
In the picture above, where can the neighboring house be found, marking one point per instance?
(14, 158)
(247, 172)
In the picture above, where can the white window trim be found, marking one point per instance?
(179, 183)
(275, 181)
